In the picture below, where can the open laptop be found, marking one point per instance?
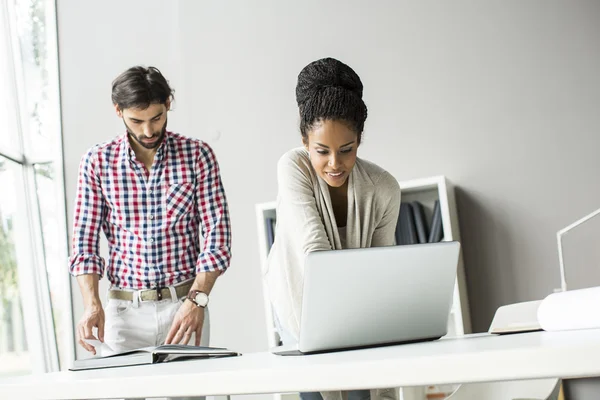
(378, 296)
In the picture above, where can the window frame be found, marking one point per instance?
(33, 277)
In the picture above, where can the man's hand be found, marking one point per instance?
(189, 319)
(92, 317)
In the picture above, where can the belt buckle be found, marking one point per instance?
(159, 293)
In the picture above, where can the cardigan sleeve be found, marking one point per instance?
(384, 234)
(297, 212)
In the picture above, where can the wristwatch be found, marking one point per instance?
(198, 297)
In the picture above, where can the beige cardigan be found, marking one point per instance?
(306, 223)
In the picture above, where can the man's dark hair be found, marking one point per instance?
(138, 87)
(328, 89)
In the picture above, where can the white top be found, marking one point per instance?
(306, 223)
(470, 358)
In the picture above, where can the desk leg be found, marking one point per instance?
(581, 389)
(412, 393)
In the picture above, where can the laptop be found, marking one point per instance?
(359, 298)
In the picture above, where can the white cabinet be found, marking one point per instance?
(426, 191)
(264, 213)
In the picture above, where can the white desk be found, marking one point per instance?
(473, 358)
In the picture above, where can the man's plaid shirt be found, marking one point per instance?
(152, 220)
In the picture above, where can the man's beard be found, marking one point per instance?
(153, 145)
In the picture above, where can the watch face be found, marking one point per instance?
(201, 299)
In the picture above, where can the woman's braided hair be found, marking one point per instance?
(328, 89)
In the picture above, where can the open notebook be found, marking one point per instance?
(153, 355)
(561, 311)
(516, 318)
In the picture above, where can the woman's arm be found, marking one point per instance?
(297, 213)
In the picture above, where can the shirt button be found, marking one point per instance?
(151, 240)
(151, 216)
(150, 191)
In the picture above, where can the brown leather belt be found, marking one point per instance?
(155, 294)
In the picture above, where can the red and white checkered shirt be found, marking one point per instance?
(152, 220)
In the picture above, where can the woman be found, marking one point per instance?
(328, 197)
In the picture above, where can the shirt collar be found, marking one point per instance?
(160, 152)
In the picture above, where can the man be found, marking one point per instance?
(153, 193)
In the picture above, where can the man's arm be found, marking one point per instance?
(86, 263)
(216, 253)
(190, 318)
(93, 315)
(214, 214)
(205, 281)
(87, 221)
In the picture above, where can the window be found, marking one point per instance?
(14, 352)
(47, 187)
(35, 312)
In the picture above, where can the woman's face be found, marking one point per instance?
(332, 148)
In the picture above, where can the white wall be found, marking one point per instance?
(501, 96)
(96, 43)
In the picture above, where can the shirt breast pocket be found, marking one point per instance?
(179, 200)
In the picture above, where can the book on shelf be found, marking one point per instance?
(420, 221)
(153, 355)
(436, 233)
(405, 228)
(412, 225)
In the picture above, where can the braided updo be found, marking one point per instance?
(328, 89)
